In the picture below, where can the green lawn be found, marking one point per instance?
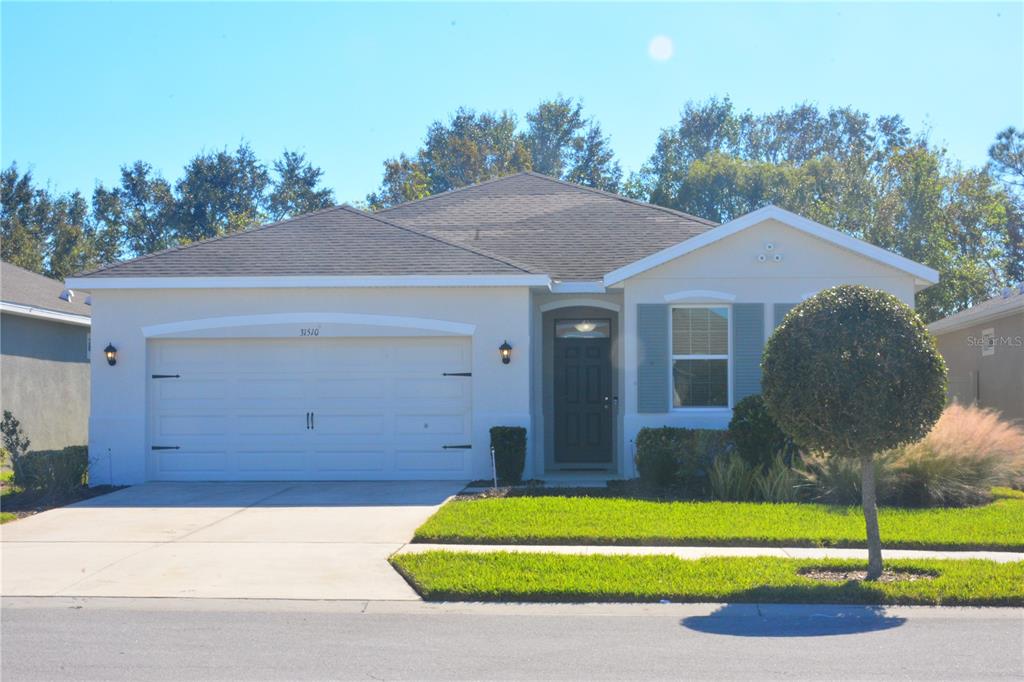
(611, 521)
(509, 576)
(7, 516)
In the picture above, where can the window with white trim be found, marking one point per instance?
(700, 356)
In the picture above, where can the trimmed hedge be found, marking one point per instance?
(509, 443)
(670, 456)
(757, 436)
(53, 472)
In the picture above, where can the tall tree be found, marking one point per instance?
(565, 144)
(558, 140)
(221, 192)
(868, 177)
(141, 211)
(295, 189)
(22, 240)
(1006, 158)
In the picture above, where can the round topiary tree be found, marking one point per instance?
(853, 371)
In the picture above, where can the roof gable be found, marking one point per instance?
(924, 275)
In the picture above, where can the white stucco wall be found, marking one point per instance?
(117, 425)
(731, 267)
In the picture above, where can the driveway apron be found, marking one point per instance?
(223, 540)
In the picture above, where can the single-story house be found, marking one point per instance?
(347, 345)
(984, 351)
(44, 358)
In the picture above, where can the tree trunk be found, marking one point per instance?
(868, 497)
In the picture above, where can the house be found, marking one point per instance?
(984, 351)
(44, 358)
(347, 345)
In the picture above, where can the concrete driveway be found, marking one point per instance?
(227, 540)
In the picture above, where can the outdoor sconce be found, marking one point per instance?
(506, 353)
(111, 354)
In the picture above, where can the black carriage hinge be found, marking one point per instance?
(166, 447)
(166, 376)
(456, 374)
(457, 447)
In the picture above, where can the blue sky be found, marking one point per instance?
(88, 87)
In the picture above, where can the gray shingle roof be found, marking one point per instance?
(339, 241)
(24, 287)
(1012, 301)
(564, 230)
(523, 223)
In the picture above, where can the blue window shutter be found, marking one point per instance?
(747, 346)
(652, 357)
(780, 312)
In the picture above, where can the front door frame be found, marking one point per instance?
(548, 319)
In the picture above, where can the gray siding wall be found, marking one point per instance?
(44, 379)
(995, 381)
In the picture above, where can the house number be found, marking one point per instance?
(309, 331)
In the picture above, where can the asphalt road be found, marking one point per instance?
(172, 639)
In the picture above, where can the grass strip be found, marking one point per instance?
(616, 521)
(538, 577)
(7, 516)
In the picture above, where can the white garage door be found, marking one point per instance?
(310, 408)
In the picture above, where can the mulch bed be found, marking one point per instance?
(23, 504)
(888, 575)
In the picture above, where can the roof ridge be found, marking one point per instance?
(613, 195)
(473, 250)
(565, 183)
(182, 247)
(448, 192)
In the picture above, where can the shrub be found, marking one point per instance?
(853, 371)
(53, 473)
(509, 444)
(670, 456)
(14, 441)
(837, 480)
(731, 479)
(757, 436)
(969, 451)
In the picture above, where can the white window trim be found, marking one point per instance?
(704, 409)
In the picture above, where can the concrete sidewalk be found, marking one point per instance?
(701, 552)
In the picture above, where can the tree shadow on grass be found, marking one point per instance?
(792, 620)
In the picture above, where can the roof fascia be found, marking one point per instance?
(305, 282)
(44, 314)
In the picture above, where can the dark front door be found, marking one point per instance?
(583, 401)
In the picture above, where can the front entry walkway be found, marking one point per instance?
(223, 540)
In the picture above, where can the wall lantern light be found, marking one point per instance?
(506, 353)
(111, 354)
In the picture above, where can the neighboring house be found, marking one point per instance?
(44, 358)
(984, 351)
(345, 345)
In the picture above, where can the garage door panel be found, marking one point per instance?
(267, 424)
(429, 460)
(188, 390)
(359, 388)
(284, 461)
(238, 409)
(456, 388)
(431, 424)
(184, 461)
(184, 425)
(328, 424)
(357, 459)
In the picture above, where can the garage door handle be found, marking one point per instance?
(166, 447)
(307, 421)
(457, 447)
(312, 420)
